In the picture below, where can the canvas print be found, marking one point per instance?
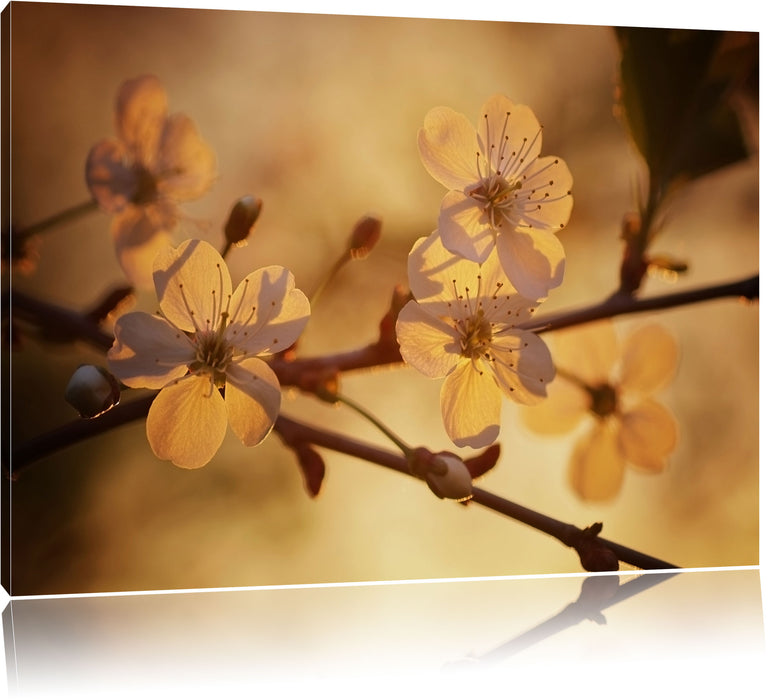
(305, 298)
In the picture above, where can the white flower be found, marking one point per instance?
(613, 386)
(463, 325)
(502, 193)
(157, 161)
(208, 338)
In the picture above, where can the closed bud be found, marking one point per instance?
(448, 477)
(366, 234)
(92, 391)
(243, 216)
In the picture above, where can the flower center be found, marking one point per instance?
(603, 400)
(213, 353)
(475, 336)
(495, 195)
(145, 187)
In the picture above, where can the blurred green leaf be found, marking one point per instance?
(674, 98)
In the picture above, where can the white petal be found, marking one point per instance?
(110, 176)
(464, 228)
(471, 406)
(534, 263)
(185, 163)
(448, 148)
(267, 312)
(427, 343)
(193, 285)
(515, 122)
(648, 434)
(148, 352)
(522, 364)
(545, 201)
(252, 399)
(141, 110)
(187, 422)
(597, 466)
(649, 359)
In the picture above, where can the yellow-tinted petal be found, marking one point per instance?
(140, 234)
(649, 359)
(648, 434)
(471, 406)
(589, 351)
(597, 466)
(141, 110)
(148, 352)
(522, 364)
(252, 399)
(187, 422)
(547, 202)
(565, 406)
(193, 285)
(267, 312)
(448, 148)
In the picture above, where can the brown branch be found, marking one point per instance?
(293, 432)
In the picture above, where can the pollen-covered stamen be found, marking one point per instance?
(476, 335)
(603, 399)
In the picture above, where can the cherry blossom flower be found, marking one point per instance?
(463, 325)
(613, 387)
(501, 193)
(205, 340)
(156, 161)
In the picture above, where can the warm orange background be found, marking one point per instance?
(318, 115)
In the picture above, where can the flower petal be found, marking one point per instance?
(193, 285)
(187, 422)
(110, 176)
(597, 466)
(589, 352)
(534, 262)
(471, 406)
(648, 434)
(185, 163)
(252, 399)
(148, 352)
(448, 148)
(522, 364)
(427, 343)
(464, 228)
(141, 110)
(267, 312)
(649, 359)
(139, 235)
(502, 125)
(565, 406)
(546, 200)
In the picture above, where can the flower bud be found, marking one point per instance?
(243, 216)
(366, 234)
(92, 391)
(449, 478)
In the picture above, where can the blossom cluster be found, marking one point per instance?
(492, 260)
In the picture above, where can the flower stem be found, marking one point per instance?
(330, 275)
(62, 217)
(395, 439)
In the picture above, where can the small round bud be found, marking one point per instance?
(449, 477)
(243, 216)
(366, 234)
(92, 391)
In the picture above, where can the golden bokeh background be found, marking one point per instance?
(318, 116)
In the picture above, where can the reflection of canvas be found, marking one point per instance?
(386, 201)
